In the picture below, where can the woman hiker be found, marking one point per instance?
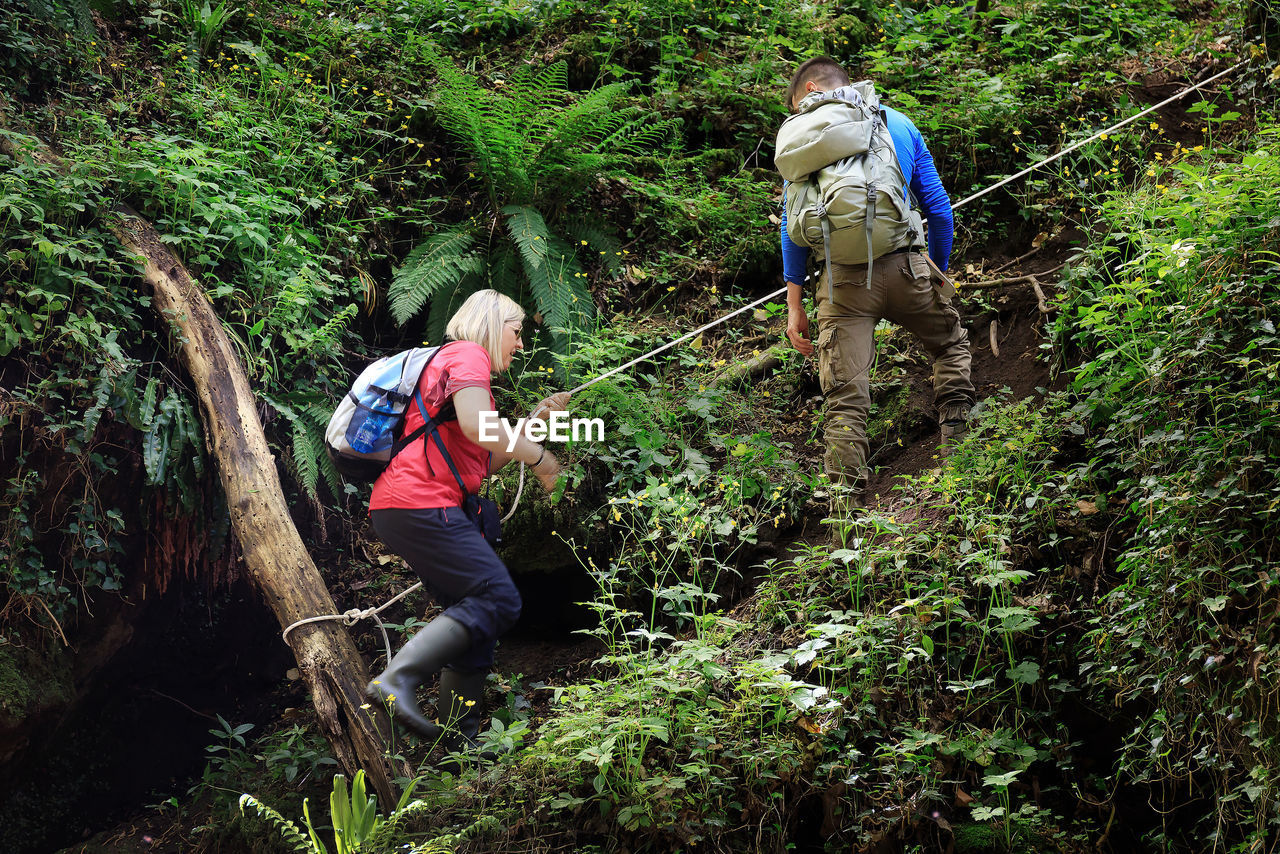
(417, 511)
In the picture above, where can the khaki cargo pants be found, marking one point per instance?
(902, 292)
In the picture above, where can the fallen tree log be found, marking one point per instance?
(753, 367)
(273, 550)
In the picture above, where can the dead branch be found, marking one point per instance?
(1041, 303)
(1011, 280)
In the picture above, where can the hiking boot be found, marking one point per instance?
(427, 652)
(953, 424)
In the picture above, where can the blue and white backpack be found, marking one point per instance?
(363, 434)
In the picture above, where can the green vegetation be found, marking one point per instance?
(1061, 640)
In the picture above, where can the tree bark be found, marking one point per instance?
(273, 550)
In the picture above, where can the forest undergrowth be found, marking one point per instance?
(1059, 640)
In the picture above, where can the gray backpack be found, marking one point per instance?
(844, 187)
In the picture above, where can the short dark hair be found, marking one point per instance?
(822, 70)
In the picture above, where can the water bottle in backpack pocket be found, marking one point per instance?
(363, 433)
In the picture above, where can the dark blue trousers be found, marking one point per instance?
(460, 570)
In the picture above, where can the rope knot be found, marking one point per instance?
(354, 615)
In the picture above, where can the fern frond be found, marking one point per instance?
(641, 134)
(556, 280)
(317, 417)
(385, 837)
(308, 421)
(592, 112)
(290, 832)
(323, 338)
(529, 232)
(306, 454)
(559, 292)
(547, 90)
(579, 310)
(492, 127)
(439, 262)
(504, 273)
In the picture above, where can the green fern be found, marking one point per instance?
(537, 148)
(306, 455)
(387, 835)
(555, 277)
(289, 831)
(307, 422)
(327, 335)
(440, 262)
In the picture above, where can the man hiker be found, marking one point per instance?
(852, 168)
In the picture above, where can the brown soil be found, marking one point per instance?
(1019, 371)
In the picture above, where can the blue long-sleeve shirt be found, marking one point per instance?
(922, 177)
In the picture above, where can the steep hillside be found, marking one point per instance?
(1057, 639)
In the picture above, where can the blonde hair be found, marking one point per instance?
(481, 318)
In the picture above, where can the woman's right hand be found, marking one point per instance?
(547, 471)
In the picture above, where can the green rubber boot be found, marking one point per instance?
(427, 652)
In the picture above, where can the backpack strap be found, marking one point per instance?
(873, 193)
(826, 248)
(430, 432)
(431, 428)
(446, 412)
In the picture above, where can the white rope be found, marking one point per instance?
(1115, 127)
(637, 360)
(515, 502)
(354, 615)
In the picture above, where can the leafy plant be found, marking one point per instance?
(354, 817)
(536, 150)
(205, 22)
